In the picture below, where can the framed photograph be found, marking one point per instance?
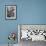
(33, 32)
(10, 12)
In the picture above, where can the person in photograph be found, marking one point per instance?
(10, 12)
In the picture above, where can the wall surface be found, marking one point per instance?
(28, 12)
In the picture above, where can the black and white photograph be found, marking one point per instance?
(31, 34)
(10, 12)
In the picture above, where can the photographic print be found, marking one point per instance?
(10, 11)
(32, 32)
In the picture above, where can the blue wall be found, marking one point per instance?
(28, 12)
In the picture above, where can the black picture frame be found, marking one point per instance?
(10, 12)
